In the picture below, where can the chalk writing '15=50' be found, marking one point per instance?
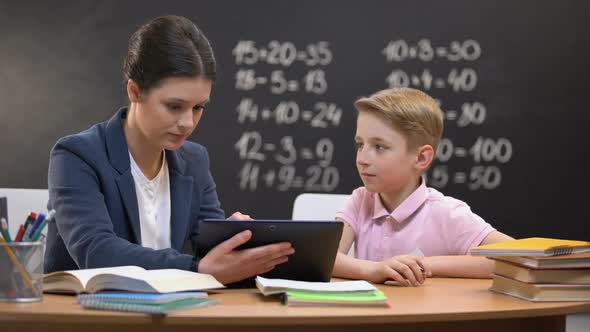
(478, 177)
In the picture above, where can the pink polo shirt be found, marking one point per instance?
(427, 220)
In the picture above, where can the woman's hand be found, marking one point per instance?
(404, 270)
(229, 265)
(239, 216)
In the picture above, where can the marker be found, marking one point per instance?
(19, 235)
(37, 233)
(30, 219)
(36, 224)
(29, 222)
(4, 229)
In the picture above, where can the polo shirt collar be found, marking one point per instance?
(410, 205)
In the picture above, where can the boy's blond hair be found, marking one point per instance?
(411, 111)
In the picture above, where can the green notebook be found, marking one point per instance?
(374, 298)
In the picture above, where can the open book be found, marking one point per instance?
(127, 278)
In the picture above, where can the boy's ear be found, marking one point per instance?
(133, 91)
(424, 157)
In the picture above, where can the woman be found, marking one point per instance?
(130, 190)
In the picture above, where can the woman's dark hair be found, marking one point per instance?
(168, 46)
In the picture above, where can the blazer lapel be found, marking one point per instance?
(181, 194)
(119, 158)
(127, 190)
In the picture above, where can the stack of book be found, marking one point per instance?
(148, 303)
(540, 269)
(302, 293)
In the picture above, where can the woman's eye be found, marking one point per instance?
(199, 108)
(379, 147)
(174, 107)
(358, 145)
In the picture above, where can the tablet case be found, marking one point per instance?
(315, 244)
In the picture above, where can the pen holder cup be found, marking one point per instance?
(21, 276)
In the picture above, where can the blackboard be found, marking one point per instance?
(511, 77)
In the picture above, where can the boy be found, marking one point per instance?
(395, 214)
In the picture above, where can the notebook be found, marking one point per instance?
(268, 286)
(305, 293)
(147, 308)
(374, 298)
(127, 278)
(535, 246)
(143, 298)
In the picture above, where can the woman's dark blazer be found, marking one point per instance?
(93, 192)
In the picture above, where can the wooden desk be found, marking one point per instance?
(439, 305)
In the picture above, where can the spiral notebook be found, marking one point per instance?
(534, 246)
(155, 304)
(141, 298)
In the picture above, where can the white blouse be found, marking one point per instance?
(153, 201)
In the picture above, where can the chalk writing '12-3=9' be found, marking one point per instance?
(246, 52)
(251, 146)
(321, 115)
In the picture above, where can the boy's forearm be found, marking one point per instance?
(460, 266)
(350, 268)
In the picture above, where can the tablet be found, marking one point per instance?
(315, 243)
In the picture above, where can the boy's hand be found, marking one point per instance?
(406, 270)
